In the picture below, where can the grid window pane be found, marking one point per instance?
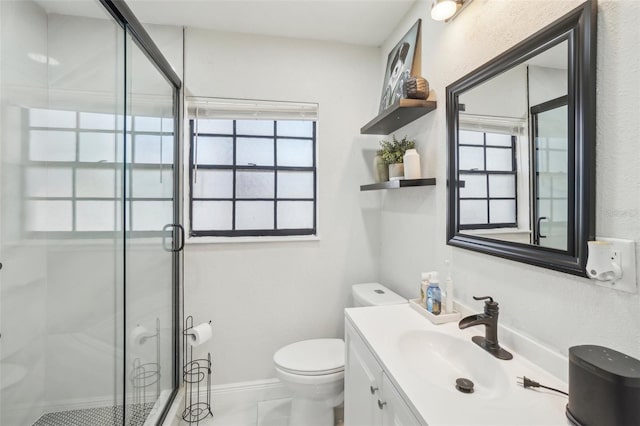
(471, 158)
(499, 159)
(468, 137)
(544, 208)
(251, 184)
(151, 215)
(213, 184)
(95, 183)
(230, 199)
(147, 124)
(218, 127)
(97, 147)
(473, 212)
(254, 215)
(52, 145)
(495, 155)
(544, 185)
(558, 161)
(167, 125)
(52, 118)
(502, 186)
(48, 182)
(295, 152)
(254, 151)
(147, 149)
(95, 215)
(49, 215)
(496, 139)
(295, 185)
(475, 186)
(254, 127)
(95, 121)
(560, 213)
(295, 214)
(558, 143)
(152, 183)
(295, 128)
(560, 187)
(502, 211)
(120, 149)
(209, 150)
(212, 215)
(542, 160)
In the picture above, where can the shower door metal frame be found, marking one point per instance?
(125, 17)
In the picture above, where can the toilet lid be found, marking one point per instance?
(312, 357)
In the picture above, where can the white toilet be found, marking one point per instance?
(313, 370)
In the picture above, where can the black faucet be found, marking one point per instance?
(490, 321)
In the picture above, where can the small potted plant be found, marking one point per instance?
(392, 154)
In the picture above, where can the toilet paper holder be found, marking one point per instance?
(194, 373)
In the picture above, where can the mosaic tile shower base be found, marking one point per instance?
(102, 416)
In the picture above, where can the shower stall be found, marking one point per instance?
(90, 234)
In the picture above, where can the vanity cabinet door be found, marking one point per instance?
(362, 384)
(395, 412)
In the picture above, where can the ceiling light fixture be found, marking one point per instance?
(446, 10)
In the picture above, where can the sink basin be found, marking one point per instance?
(440, 359)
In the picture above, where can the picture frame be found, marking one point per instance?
(403, 62)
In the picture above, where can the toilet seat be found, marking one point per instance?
(316, 357)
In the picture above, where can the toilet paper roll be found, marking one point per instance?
(140, 334)
(200, 334)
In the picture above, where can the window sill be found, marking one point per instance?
(242, 240)
(495, 231)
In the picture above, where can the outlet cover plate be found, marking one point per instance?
(626, 252)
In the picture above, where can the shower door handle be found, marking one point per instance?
(173, 226)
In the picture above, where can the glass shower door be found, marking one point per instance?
(150, 251)
(551, 167)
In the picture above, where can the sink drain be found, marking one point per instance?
(464, 385)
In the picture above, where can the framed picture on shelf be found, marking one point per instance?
(403, 62)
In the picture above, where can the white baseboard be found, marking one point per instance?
(232, 393)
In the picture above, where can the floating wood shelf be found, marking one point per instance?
(397, 116)
(401, 183)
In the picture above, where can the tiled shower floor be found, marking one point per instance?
(102, 416)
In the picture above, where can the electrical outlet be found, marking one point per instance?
(623, 253)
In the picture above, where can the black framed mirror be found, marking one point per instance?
(521, 149)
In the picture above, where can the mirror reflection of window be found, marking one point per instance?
(487, 166)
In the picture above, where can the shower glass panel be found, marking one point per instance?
(149, 188)
(87, 185)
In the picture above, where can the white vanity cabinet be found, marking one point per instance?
(370, 399)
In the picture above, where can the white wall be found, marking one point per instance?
(557, 310)
(262, 296)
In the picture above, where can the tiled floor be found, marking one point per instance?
(102, 416)
(264, 413)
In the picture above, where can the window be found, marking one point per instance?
(73, 174)
(253, 176)
(487, 172)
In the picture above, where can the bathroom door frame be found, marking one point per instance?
(125, 17)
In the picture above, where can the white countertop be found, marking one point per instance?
(381, 327)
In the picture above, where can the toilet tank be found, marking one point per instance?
(374, 294)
